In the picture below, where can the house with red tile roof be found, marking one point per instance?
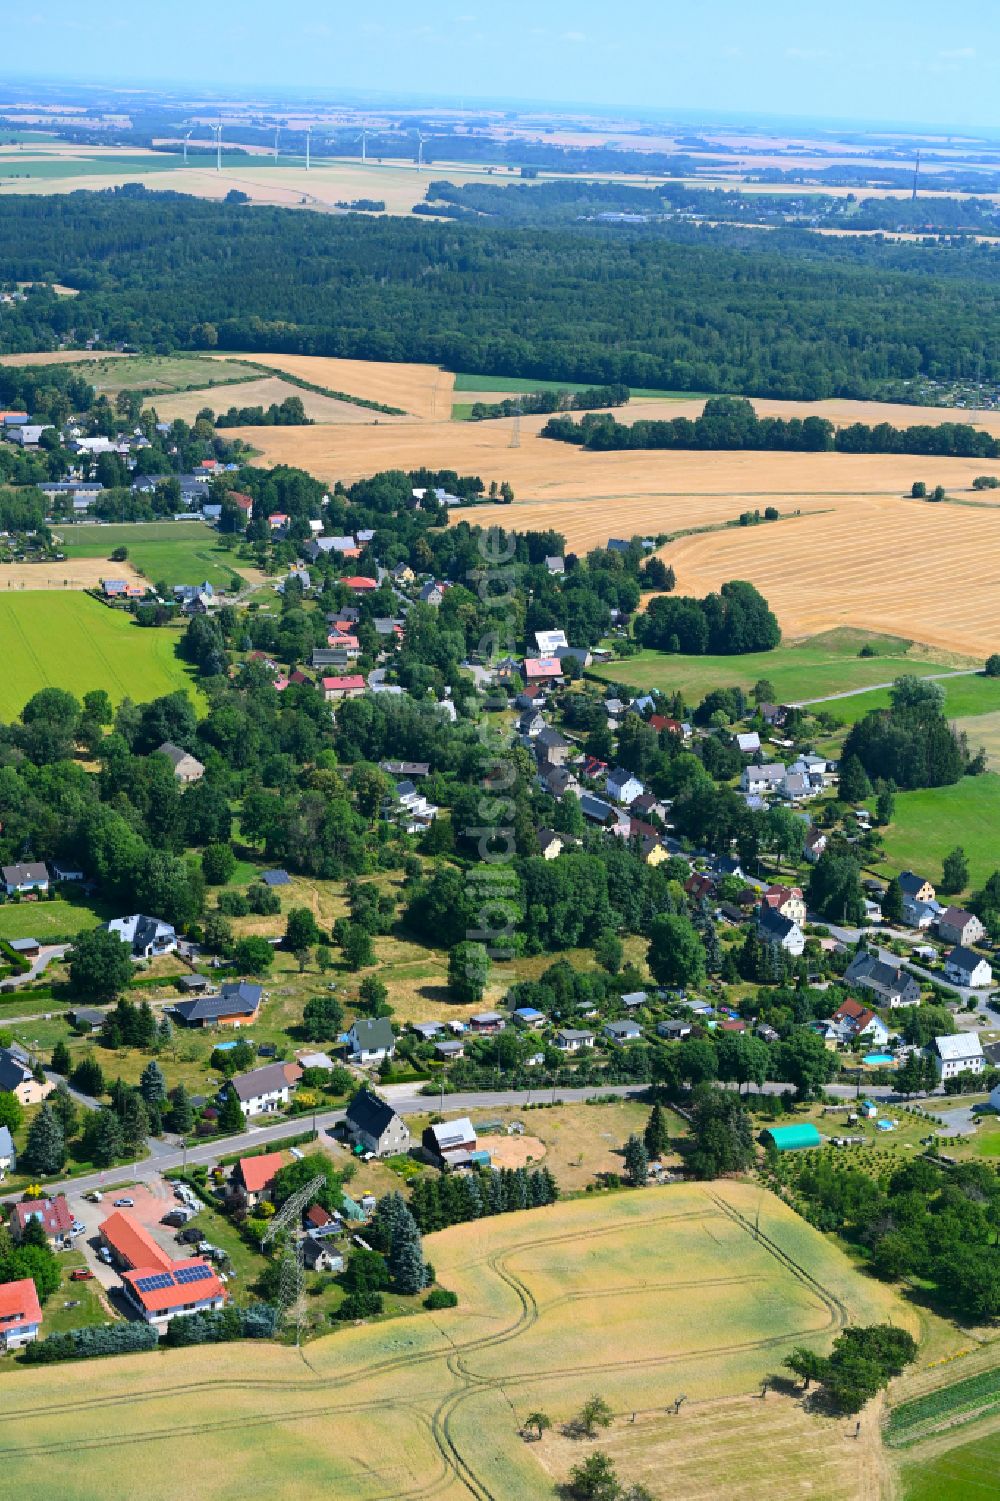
(359, 585)
(337, 688)
(251, 1178)
(20, 1314)
(131, 1245)
(182, 1288)
(542, 670)
(54, 1216)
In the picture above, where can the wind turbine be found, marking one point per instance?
(421, 138)
(309, 131)
(363, 138)
(277, 133)
(186, 139)
(218, 146)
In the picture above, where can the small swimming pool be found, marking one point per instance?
(877, 1058)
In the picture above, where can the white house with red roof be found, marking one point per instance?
(54, 1216)
(338, 688)
(157, 1286)
(861, 1021)
(20, 1314)
(251, 1178)
(542, 670)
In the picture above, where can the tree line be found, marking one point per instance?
(729, 423)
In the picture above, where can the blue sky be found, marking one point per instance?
(865, 60)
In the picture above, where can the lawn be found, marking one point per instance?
(961, 1473)
(171, 552)
(152, 373)
(511, 385)
(930, 822)
(49, 922)
(56, 1316)
(963, 698)
(640, 1295)
(828, 663)
(66, 640)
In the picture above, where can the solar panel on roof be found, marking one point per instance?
(154, 1284)
(193, 1273)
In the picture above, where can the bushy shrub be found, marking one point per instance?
(441, 1297)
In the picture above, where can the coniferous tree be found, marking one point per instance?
(103, 1138)
(62, 1059)
(134, 1123)
(636, 1162)
(655, 1137)
(64, 1109)
(231, 1117)
(181, 1114)
(45, 1151)
(152, 1084)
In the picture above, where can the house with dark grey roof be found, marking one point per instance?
(890, 984)
(375, 1126)
(236, 1005)
(780, 932)
(147, 937)
(264, 1090)
(187, 768)
(622, 1032)
(371, 1039)
(32, 876)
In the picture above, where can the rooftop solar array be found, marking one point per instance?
(193, 1274)
(153, 1284)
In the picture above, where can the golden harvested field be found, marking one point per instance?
(257, 393)
(73, 573)
(840, 411)
(905, 567)
(639, 1296)
(62, 357)
(421, 390)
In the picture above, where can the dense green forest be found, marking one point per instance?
(798, 317)
(728, 422)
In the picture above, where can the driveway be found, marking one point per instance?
(47, 954)
(152, 1201)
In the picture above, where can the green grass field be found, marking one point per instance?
(929, 823)
(172, 552)
(163, 373)
(963, 698)
(509, 384)
(824, 664)
(47, 921)
(83, 166)
(959, 1474)
(55, 640)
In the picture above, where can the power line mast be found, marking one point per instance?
(289, 1217)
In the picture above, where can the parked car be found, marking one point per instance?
(125, 1203)
(105, 1255)
(188, 1237)
(77, 1227)
(82, 1274)
(95, 1196)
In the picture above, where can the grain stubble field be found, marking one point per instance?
(431, 1406)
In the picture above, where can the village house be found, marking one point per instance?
(550, 844)
(53, 1215)
(16, 1078)
(8, 1153)
(147, 937)
(452, 1143)
(236, 1005)
(965, 967)
(187, 768)
(573, 1040)
(760, 778)
(21, 878)
(549, 642)
(20, 1314)
(370, 1040)
(788, 900)
(959, 927)
(334, 689)
(748, 744)
(673, 1031)
(624, 786)
(915, 887)
(862, 1022)
(486, 1023)
(891, 985)
(252, 1178)
(780, 932)
(814, 845)
(622, 1032)
(960, 1054)
(375, 1127)
(551, 749)
(542, 670)
(262, 1091)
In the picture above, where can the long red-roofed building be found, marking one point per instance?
(157, 1285)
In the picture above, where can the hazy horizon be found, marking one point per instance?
(896, 65)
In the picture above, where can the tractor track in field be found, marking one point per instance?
(440, 1426)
